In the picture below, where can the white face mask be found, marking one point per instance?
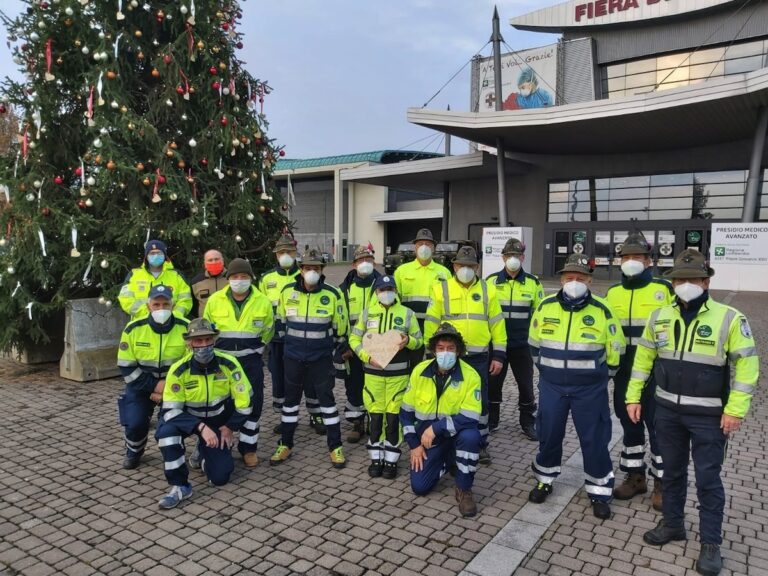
(465, 274)
(240, 286)
(424, 252)
(311, 277)
(161, 316)
(575, 289)
(632, 268)
(364, 269)
(285, 260)
(687, 292)
(525, 91)
(386, 297)
(513, 264)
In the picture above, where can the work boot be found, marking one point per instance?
(485, 457)
(529, 431)
(528, 420)
(467, 506)
(250, 459)
(131, 462)
(337, 458)
(282, 453)
(494, 414)
(539, 494)
(710, 561)
(656, 496)
(390, 470)
(194, 459)
(376, 468)
(601, 509)
(634, 483)
(317, 424)
(358, 431)
(663, 534)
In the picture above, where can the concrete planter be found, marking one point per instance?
(91, 336)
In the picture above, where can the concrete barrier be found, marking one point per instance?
(91, 336)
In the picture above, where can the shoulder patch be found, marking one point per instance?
(124, 346)
(324, 299)
(746, 331)
(175, 387)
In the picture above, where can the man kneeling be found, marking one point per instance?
(440, 413)
(207, 394)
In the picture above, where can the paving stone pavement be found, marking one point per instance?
(67, 507)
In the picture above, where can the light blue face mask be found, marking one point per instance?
(446, 360)
(156, 260)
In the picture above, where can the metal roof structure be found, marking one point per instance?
(377, 157)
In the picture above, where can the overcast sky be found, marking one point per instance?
(345, 71)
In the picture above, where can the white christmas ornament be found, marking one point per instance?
(108, 303)
(37, 184)
(2, 242)
(238, 238)
(34, 36)
(102, 300)
(30, 197)
(173, 196)
(89, 202)
(104, 263)
(85, 50)
(195, 232)
(91, 181)
(68, 11)
(192, 143)
(249, 216)
(169, 102)
(11, 270)
(97, 143)
(114, 104)
(183, 9)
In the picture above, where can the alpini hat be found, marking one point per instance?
(576, 263)
(200, 327)
(690, 263)
(285, 243)
(513, 246)
(362, 252)
(446, 330)
(424, 234)
(635, 244)
(466, 255)
(312, 257)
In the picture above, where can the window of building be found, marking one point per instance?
(683, 196)
(682, 68)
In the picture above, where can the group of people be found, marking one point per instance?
(668, 347)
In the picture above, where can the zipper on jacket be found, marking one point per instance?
(160, 356)
(567, 336)
(631, 300)
(693, 331)
(682, 350)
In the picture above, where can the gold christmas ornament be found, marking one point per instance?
(146, 182)
(138, 34)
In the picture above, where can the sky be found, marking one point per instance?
(344, 72)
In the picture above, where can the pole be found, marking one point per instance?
(755, 177)
(496, 39)
(446, 193)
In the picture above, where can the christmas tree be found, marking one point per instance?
(135, 121)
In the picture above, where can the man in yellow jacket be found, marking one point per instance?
(440, 414)
(384, 385)
(691, 347)
(207, 393)
(243, 316)
(470, 305)
(155, 271)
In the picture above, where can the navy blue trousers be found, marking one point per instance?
(277, 370)
(135, 410)
(249, 433)
(462, 451)
(588, 406)
(216, 462)
(681, 435)
(353, 386)
(481, 363)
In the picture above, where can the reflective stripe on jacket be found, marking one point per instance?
(414, 284)
(243, 331)
(518, 298)
(135, 291)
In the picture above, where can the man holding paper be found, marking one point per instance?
(381, 338)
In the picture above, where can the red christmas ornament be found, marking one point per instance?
(167, 59)
(58, 180)
(78, 171)
(161, 180)
(3, 109)
(44, 5)
(216, 85)
(224, 121)
(45, 211)
(239, 45)
(282, 153)
(225, 26)
(180, 90)
(81, 204)
(213, 71)
(204, 162)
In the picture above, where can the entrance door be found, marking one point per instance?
(566, 243)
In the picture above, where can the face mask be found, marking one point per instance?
(424, 252)
(214, 268)
(156, 260)
(161, 316)
(513, 264)
(285, 261)
(387, 297)
(575, 289)
(632, 268)
(365, 268)
(311, 277)
(446, 360)
(465, 274)
(687, 292)
(240, 286)
(204, 354)
(525, 92)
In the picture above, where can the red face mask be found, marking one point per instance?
(214, 268)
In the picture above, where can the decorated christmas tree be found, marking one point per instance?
(136, 120)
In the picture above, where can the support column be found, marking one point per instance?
(338, 214)
(500, 171)
(351, 232)
(755, 178)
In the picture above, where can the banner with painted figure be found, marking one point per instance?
(528, 80)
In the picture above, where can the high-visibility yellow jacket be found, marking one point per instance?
(377, 319)
(272, 283)
(218, 392)
(475, 312)
(691, 361)
(518, 297)
(414, 284)
(244, 330)
(135, 290)
(577, 344)
(147, 350)
(358, 293)
(312, 323)
(448, 404)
